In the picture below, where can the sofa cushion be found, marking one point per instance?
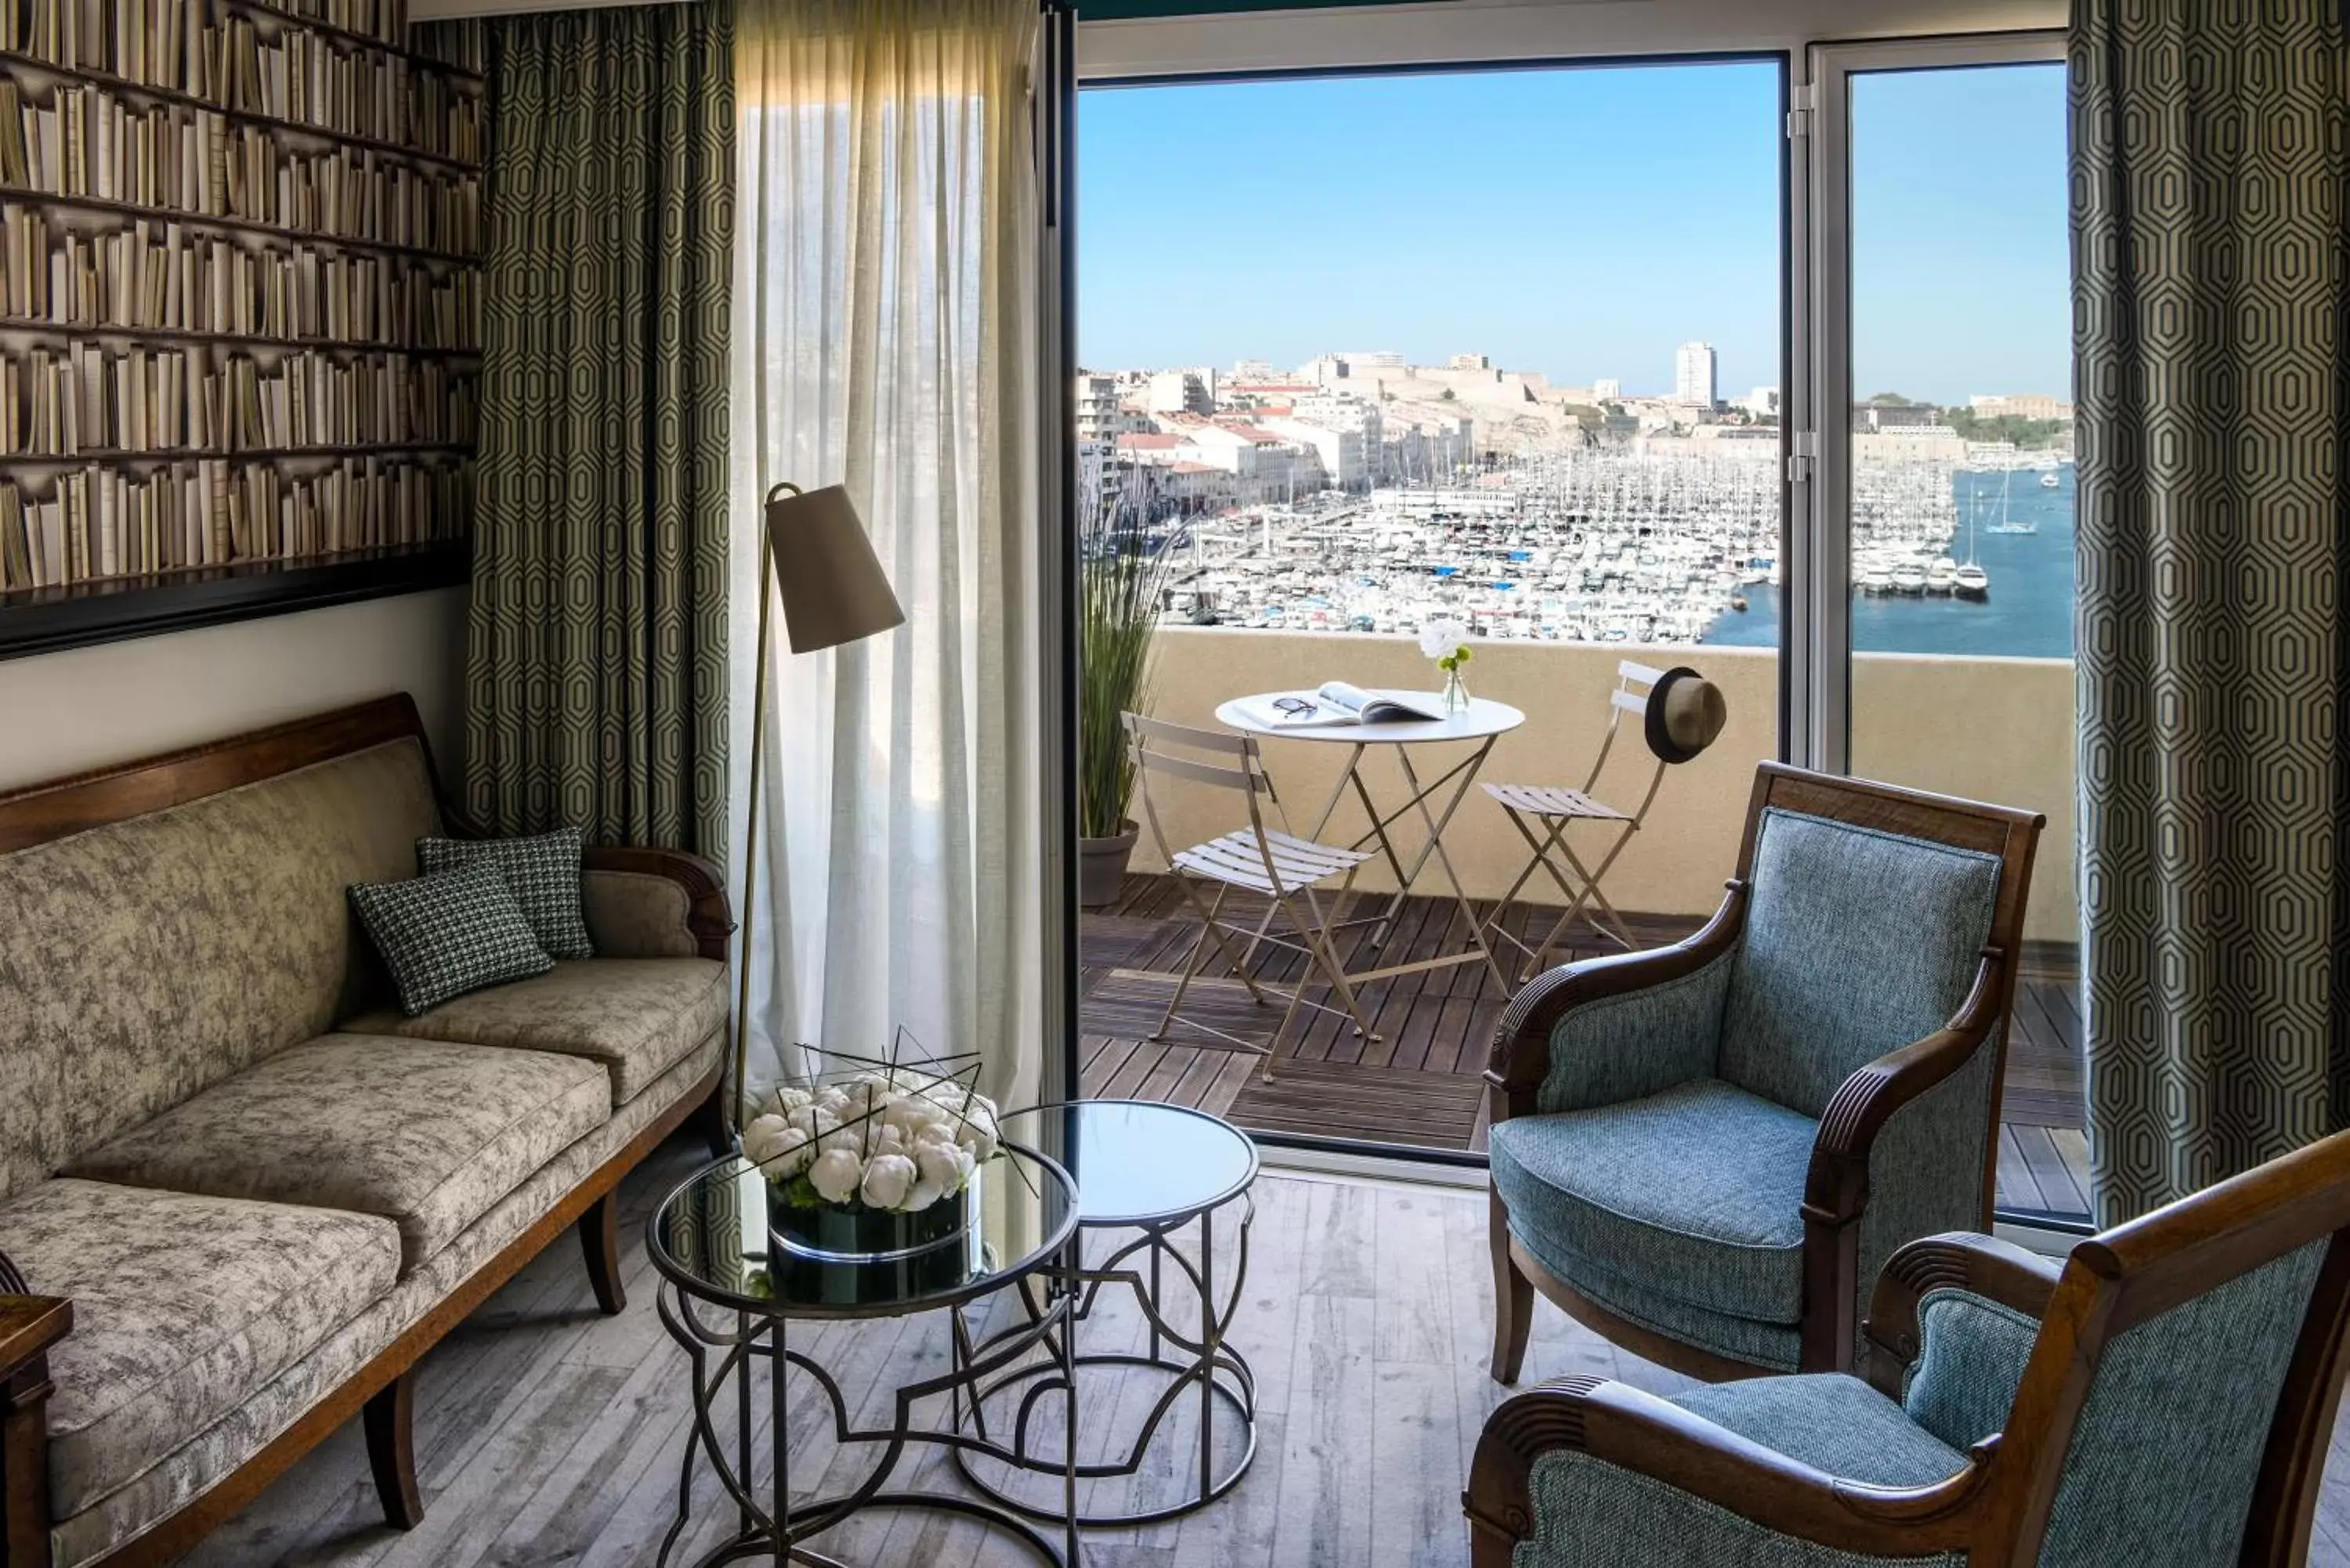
(425, 1133)
(1696, 1193)
(1834, 1423)
(637, 1017)
(446, 934)
(183, 1305)
(544, 872)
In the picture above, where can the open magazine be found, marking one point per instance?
(1334, 702)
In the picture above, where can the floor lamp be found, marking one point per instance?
(833, 592)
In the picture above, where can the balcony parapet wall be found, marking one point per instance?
(1996, 729)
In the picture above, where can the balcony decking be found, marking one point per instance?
(1418, 1084)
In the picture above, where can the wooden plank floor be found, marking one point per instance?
(1418, 1084)
(547, 1435)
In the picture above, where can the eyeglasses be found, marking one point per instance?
(1296, 707)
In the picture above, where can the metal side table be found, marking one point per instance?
(1156, 1170)
(729, 1298)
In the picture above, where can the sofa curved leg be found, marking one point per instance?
(600, 1243)
(1513, 1299)
(389, 1419)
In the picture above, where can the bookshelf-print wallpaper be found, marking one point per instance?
(239, 287)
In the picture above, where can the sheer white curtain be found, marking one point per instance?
(884, 319)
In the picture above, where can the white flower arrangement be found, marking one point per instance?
(897, 1141)
(1447, 642)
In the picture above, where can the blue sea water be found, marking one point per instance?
(2029, 612)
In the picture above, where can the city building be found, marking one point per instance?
(1694, 371)
(2023, 406)
(1180, 392)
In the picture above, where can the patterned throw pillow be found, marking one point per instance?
(445, 936)
(544, 873)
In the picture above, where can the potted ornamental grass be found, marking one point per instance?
(873, 1165)
(1121, 583)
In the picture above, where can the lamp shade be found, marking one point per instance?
(832, 588)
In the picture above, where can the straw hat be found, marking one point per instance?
(1685, 713)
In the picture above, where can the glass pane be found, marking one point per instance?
(1368, 354)
(1962, 516)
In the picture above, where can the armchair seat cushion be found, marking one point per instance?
(1696, 1192)
(427, 1134)
(183, 1305)
(635, 1017)
(1835, 1424)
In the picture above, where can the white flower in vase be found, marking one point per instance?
(778, 1147)
(898, 1140)
(1447, 642)
(888, 1180)
(945, 1165)
(836, 1175)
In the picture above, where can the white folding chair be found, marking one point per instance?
(1553, 811)
(1267, 860)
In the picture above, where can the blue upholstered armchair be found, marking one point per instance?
(1706, 1152)
(2165, 1402)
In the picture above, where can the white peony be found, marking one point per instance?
(1441, 639)
(758, 1137)
(836, 1175)
(943, 1166)
(777, 1147)
(979, 1134)
(887, 1181)
(912, 1115)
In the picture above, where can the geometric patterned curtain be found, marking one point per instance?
(2209, 172)
(595, 689)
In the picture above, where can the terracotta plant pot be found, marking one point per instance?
(1101, 868)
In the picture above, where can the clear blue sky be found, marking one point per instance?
(1577, 222)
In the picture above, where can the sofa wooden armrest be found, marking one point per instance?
(707, 921)
(29, 1326)
(1520, 1057)
(1637, 1432)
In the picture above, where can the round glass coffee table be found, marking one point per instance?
(729, 1297)
(1153, 1169)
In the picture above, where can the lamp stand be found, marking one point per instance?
(751, 825)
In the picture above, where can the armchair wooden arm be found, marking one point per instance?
(29, 1325)
(1520, 1057)
(1986, 1266)
(1836, 1189)
(1637, 1432)
(708, 915)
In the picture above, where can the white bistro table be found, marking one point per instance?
(1434, 802)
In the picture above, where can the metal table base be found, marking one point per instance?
(777, 1530)
(1204, 1359)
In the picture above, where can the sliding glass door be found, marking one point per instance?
(1945, 523)
(1365, 355)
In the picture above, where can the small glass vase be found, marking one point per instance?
(1456, 692)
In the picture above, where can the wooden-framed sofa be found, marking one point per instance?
(2165, 1397)
(243, 1196)
(1706, 1151)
